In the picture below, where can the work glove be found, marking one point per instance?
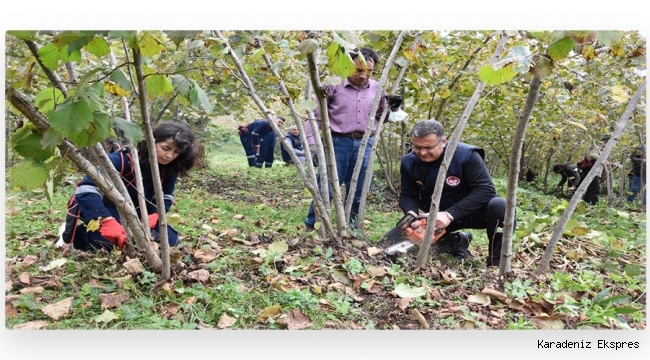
(257, 149)
(113, 231)
(153, 220)
(394, 102)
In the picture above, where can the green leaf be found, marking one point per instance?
(493, 77)
(579, 231)
(633, 270)
(618, 233)
(30, 147)
(177, 36)
(609, 37)
(93, 96)
(23, 34)
(406, 291)
(71, 118)
(51, 138)
(74, 56)
(50, 55)
(614, 300)
(98, 46)
(277, 249)
(119, 77)
(106, 317)
(601, 295)
(308, 105)
(28, 175)
(149, 45)
(132, 131)
(560, 49)
(199, 98)
(182, 85)
(158, 85)
(340, 62)
(307, 46)
(257, 54)
(194, 44)
(625, 310)
(48, 98)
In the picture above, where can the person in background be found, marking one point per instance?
(567, 172)
(293, 136)
(469, 199)
(348, 106)
(176, 152)
(637, 175)
(267, 150)
(593, 190)
(251, 135)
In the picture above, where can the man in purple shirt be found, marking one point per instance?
(349, 105)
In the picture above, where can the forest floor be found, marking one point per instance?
(245, 262)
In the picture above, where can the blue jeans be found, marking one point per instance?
(345, 152)
(635, 186)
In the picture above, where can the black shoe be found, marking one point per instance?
(454, 244)
(461, 252)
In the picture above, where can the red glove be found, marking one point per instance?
(113, 231)
(256, 148)
(153, 220)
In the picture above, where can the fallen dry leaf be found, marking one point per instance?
(200, 275)
(190, 300)
(403, 303)
(372, 251)
(548, 322)
(59, 309)
(238, 217)
(47, 281)
(95, 284)
(112, 300)
(479, 298)
(8, 285)
(32, 325)
(28, 260)
(226, 321)
(169, 310)
(269, 312)
(376, 271)
(134, 266)
(10, 310)
(495, 294)
(205, 255)
(32, 290)
(294, 320)
(24, 278)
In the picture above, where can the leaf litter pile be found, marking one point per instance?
(277, 277)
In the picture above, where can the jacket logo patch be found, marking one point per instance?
(452, 181)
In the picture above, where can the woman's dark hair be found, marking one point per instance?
(185, 143)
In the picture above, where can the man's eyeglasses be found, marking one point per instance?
(426, 149)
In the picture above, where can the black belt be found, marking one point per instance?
(354, 135)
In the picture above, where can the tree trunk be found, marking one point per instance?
(559, 226)
(513, 176)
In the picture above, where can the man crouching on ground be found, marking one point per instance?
(469, 199)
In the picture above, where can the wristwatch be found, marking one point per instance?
(451, 218)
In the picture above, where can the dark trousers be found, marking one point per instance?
(267, 149)
(591, 195)
(93, 240)
(490, 217)
(247, 143)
